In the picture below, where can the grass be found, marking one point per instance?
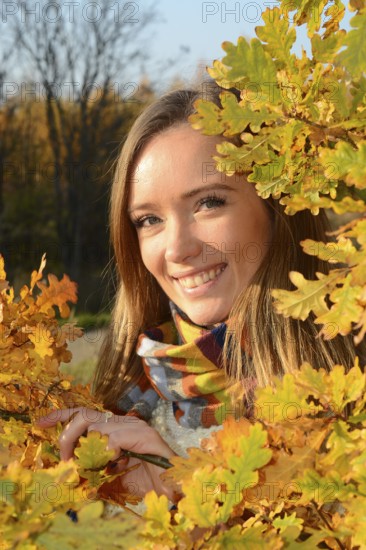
(87, 320)
(85, 349)
(82, 372)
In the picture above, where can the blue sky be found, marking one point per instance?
(203, 26)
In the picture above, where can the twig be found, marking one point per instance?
(324, 519)
(23, 417)
(157, 460)
(49, 390)
(346, 137)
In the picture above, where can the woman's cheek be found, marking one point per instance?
(150, 254)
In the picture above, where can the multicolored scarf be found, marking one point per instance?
(181, 364)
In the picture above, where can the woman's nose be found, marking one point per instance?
(181, 242)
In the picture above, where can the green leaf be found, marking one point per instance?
(342, 445)
(243, 468)
(345, 310)
(278, 37)
(346, 205)
(318, 488)
(157, 515)
(292, 522)
(346, 387)
(207, 119)
(354, 56)
(310, 12)
(324, 49)
(239, 159)
(93, 453)
(120, 532)
(219, 73)
(201, 495)
(344, 161)
(358, 91)
(237, 116)
(256, 537)
(335, 389)
(257, 150)
(275, 404)
(251, 63)
(269, 178)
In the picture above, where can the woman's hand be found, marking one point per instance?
(124, 433)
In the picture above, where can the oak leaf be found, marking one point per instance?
(92, 452)
(58, 293)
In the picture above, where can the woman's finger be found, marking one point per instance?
(74, 429)
(63, 415)
(145, 440)
(57, 415)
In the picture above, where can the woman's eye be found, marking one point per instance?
(145, 221)
(212, 202)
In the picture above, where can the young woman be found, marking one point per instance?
(197, 255)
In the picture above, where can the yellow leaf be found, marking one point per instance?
(92, 452)
(201, 495)
(344, 311)
(341, 251)
(42, 341)
(14, 432)
(344, 161)
(121, 533)
(90, 512)
(184, 468)
(4, 285)
(309, 296)
(37, 275)
(157, 515)
(233, 429)
(285, 401)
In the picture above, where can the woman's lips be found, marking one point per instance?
(202, 281)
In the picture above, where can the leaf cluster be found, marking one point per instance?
(293, 474)
(37, 490)
(299, 129)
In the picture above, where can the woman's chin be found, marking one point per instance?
(205, 320)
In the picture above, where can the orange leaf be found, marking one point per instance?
(37, 275)
(58, 293)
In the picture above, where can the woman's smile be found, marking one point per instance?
(196, 225)
(202, 283)
(200, 278)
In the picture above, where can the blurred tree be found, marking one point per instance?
(6, 141)
(80, 61)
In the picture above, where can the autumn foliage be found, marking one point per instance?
(293, 473)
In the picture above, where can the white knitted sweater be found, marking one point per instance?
(178, 438)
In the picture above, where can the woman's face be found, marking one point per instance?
(202, 234)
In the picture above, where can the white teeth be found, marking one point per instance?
(200, 279)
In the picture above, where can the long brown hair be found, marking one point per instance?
(278, 345)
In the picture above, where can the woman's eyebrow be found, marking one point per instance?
(212, 186)
(186, 195)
